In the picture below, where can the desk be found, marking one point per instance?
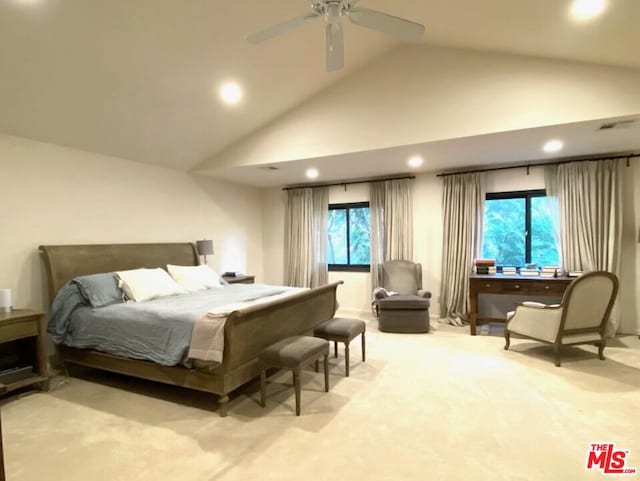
(511, 285)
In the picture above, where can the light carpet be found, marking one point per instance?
(442, 406)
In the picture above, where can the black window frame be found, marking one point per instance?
(521, 194)
(349, 267)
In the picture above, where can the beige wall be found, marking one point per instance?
(55, 195)
(355, 295)
(418, 94)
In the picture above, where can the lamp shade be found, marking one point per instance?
(204, 247)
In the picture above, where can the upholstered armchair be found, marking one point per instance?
(408, 310)
(580, 319)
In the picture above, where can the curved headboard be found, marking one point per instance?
(63, 263)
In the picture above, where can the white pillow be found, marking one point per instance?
(144, 284)
(195, 278)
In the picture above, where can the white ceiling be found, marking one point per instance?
(136, 78)
(517, 146)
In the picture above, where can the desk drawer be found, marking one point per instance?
(488, 286)
(515, 288)
(548, 289)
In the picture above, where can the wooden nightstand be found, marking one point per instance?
(24, 326)
(240, 279)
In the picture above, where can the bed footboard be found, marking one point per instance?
(249, 331)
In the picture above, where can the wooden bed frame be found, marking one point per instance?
(247, 332)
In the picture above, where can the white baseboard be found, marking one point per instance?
(358, 313)
(364, 314)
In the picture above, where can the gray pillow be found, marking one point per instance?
(100, 289)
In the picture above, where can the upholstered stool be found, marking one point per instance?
(293, 353)
(408, 314)
(342, 329)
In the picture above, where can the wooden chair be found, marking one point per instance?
(580, 319)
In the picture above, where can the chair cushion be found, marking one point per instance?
(401, 276)
(403, 303)
(580, 338)
(293, 351)
(340, 329)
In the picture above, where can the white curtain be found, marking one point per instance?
(391, 225)
(462, 206)
(306, 237)
(589, 199)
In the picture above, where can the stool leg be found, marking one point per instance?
(296, 385)
(326, 373)
(263, 387)
(335, 348)
(363, 348)
(346, 358)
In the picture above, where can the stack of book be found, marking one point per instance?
(509, 271)
(549, 271)
(485, 266)
(575, 273)
(525, 271)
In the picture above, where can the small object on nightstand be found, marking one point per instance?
(239, 279)
(22, 350)
(232, 274)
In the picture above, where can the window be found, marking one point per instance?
(518, 229)
(349, 237)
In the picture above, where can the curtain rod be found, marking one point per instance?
(538, 164)
(350, 182)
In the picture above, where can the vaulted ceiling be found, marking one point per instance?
(137, 79)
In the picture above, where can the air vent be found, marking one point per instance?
(621, 124)
(268, 167)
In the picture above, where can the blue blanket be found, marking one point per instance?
(158, 330)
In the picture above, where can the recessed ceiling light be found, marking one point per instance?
(312, 173)
(587, 9)
(28, 2)
(415, 161)
(230, 93)
(553, 146)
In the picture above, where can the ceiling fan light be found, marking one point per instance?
(333, 11)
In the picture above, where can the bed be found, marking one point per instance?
(246, 332)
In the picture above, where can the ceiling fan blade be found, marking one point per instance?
(399, 27)
(279, 29)
(334, 46)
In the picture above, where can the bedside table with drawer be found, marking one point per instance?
(240, 279)
(23, 359)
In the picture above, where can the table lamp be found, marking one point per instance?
(204, 248)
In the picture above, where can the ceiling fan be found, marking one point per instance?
(333, 12)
